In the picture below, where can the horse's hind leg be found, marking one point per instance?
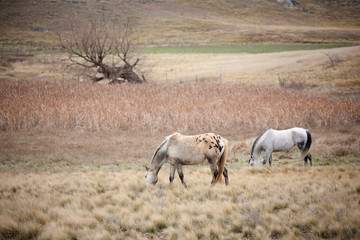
(308, 156)
(172, 173)
(225, 173)
(214, 171)
(181, 174)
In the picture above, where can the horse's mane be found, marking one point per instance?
(256, 141)
(157, 150)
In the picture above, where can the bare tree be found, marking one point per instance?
(105, 46)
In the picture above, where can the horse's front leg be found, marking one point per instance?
(181, 174)
(172, 173)
(268, 156)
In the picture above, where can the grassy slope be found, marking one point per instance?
(32, 25)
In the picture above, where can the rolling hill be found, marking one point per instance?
(32, 25)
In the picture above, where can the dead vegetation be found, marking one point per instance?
(71, 154)
(91, 46)
(28, 105)
(278, 203)
(181, 22)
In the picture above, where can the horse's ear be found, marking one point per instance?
(147, 169)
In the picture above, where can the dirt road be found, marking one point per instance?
(314, 66)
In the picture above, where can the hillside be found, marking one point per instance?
(32, 25)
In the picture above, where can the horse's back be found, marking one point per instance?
(193, 149)
(299, 134)
(283, 140)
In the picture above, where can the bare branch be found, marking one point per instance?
(89, 47)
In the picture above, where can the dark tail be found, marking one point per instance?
(307, 145)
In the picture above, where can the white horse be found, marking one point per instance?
(178, 150)
(281, 140)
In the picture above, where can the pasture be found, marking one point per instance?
(73, 159)
(73, 153)
(243, 48)
(286, 202)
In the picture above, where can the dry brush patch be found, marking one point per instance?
(260, 203)
(152, 107)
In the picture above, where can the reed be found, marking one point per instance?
(154, 107)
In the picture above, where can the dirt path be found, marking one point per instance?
(313, 66)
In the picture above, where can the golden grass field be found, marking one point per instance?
(288, 202)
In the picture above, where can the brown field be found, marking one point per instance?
(32, 26)
(73, 153)
(214, 107)
(266, 203)
(324, 71)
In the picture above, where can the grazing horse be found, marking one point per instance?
(281, 140)
(178, 150)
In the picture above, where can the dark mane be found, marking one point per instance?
(256, 141)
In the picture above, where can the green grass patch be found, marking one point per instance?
(243, 48)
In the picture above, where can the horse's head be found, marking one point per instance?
(150, 177)
(251, 160)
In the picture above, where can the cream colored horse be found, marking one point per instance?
(178, 150)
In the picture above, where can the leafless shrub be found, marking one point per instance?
(334, 60)
(292, 83)
(95, 45)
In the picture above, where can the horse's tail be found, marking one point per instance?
(307, 145)
(221, 164)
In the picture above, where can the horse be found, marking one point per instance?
(281, 140)
(178, 150)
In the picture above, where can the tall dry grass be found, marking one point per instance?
(35, 104)
(277, 203)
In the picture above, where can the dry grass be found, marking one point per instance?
(277, 203)
(58, 150)
(325, 71)
(72, 154)
(28, 105)
(32, 26)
